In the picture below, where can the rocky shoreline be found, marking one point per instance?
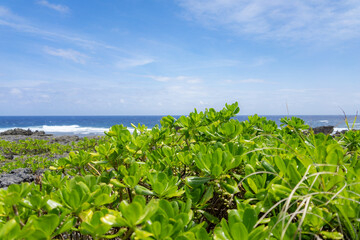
(22, 134)
(327, 130)
(20, 175)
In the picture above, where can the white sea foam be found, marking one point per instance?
(67, 129)
(324, 121)
(75, 129)
(339, 129)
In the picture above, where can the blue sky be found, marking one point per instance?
(93, 57)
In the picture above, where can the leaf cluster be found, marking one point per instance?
(202, 176)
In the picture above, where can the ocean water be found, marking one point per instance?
(97, 125)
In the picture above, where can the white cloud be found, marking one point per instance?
(67, 54)
(160, 78)
(186, 79)
(303, 90)
(16, 92)
(252, 80)
(57, 7)
(6, 13)
(24, 27)
(249, 80)
(322, 20)
(11, 20)
(260, 61)
(133, 62)
(23, 83)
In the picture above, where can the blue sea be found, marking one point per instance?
(97, 125)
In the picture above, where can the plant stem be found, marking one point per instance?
(128, 234)
(129, 193)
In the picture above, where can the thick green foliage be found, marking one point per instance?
(205, 176)
(37, 154)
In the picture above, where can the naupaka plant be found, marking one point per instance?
(201, 176)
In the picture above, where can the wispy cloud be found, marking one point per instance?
(13, 21)
(23, 83)
(304, 90)
(70, 54)
(260, 61)
(248, 80)
(5, 13)
(186, 79)
(133, 62)
(16, 92)
(57, 7)
(56, 36)
(324, 20)
(252, 80)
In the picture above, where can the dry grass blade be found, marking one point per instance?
(303, 216)
(304, 201)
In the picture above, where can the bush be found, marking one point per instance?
(205, 176)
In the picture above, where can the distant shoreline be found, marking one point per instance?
(17, 134)
(90, 126)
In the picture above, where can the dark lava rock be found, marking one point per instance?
(17, 176)
(324, 129)
(19, 131)
(8, 156)
(65, 139)
(40, 172)
(338, 134)
(40, 133)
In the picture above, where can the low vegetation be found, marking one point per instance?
(38, 154)
(204, 176)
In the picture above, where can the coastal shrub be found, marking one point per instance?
(39, 154)
(201, 176)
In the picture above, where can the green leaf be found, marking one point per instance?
(132, 212)
(85, 216)
(196, 181)
(238, 231)
(252, 185)
(216, 170)
(219, 234)
(294, 175)
(167, 208)
(268, 166)
(332, 158)
(280, 191)
(249, 219)
(230, 186)
(103, 199)
(225, 230)
(143, 190)
(201, 234)
(48, 223)
(207, 195)
(331, 235)
(149, 210)
(156, 228)
(280, 164)
(211, 218)
(259, 233)
(10, 230)
(66, 226)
